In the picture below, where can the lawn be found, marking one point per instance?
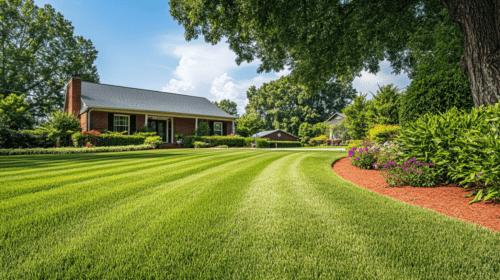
(201, 214)
(320, 147)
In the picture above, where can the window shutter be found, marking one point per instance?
(111, 121)
(132, 124)
(224, 128)
(211, 125)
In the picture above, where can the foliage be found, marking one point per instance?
(318, 140)
(223, 146)
(284, 144)
(411, 172)
(340, 131)
(61, 126)
(227, 106)
(248, 124)
(214, 141)
(435, 94)
(353, 143)
(68, 150)
(363, 157)
(463, 145)
(305, 132)
(262, 143)
(199, 144)
(283, 105)
(14, 112)
(385, 105)
(154, 141)
(39, 52)
(138, 133)
(321, 128)
(358, 118)
(202, 130)
(13, 139)
(178, 135)
(383, 133)
(143, 129)
(80, 139)
(309, 37)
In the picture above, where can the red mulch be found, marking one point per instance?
(449, 200)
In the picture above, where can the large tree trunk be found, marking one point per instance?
(479, 21)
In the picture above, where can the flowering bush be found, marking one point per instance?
(363, 157)
(89, 145)
(412, 172)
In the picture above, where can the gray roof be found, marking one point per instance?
(334, 115)
(116, 97)
(264, 133)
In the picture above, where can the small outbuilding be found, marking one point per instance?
(276, 135)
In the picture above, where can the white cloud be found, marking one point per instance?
(369, 82)
(224, 88)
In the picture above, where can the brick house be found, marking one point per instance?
(276, 135)
(106, 107)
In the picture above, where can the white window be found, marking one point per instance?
(121, 123)
(279, 134)
(218, 128)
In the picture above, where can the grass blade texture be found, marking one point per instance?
(218, 214)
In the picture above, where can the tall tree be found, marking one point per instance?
(318, 40)
(14, 112)
(227, 106)
(248, 124)
(283, 105)
(38, 52)
(385, 105)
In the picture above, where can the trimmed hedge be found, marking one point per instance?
(107, 140)
(13, 139)
(74, 150)
(284, 144)
(214, 141)
(262, 143)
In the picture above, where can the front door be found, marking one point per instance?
(160, 127)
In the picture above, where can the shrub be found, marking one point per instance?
(358, 118)
(73, 150)
(383, 133)
(202, 130)
(284, 144)
(463, 146)
(411, 172)
(262, 143)
(154, 141)
(305, 132)
(213, 141)
(363, 157)
(61, 126)
(318, 140)
(143, 134)
(199, 144)
(249, 141)
(340, 132)
(353, 143)
(436, 94)
(178, 135)
(107, 140)
(223, 146)
(13, 139)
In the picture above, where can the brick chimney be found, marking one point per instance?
(73, 103)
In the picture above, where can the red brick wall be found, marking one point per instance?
(184, 125)
(284, 137)
(83, 121)
(73, 97)
(140, 121)
(99, 121)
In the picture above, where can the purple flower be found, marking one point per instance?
(351, 154)
(357, 158)
(354, 148)
(376, 151)
(420, 172)
(413, 159)
(418, 162)
(414, 170)
(422, 164)
(431, 164)
(360, 150)
(366, 149)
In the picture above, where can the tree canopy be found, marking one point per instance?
(39, 52)
(283, 105)
(319, 40)
(248, 125)
(14, 112)
(227, 106)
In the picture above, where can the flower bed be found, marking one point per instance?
(449, 200)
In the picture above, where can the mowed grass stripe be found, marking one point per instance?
(58, 205)
(405, 240)
(103, 163)
(60, 179)
(150, 219)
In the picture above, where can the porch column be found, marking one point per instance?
(232, 126)
(196, 126)
(172, 132)
(146, 123)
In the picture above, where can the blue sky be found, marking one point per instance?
(140, 45)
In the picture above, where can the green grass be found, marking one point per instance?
(319, 147)
(212, 214)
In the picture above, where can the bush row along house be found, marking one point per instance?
(114, 108)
